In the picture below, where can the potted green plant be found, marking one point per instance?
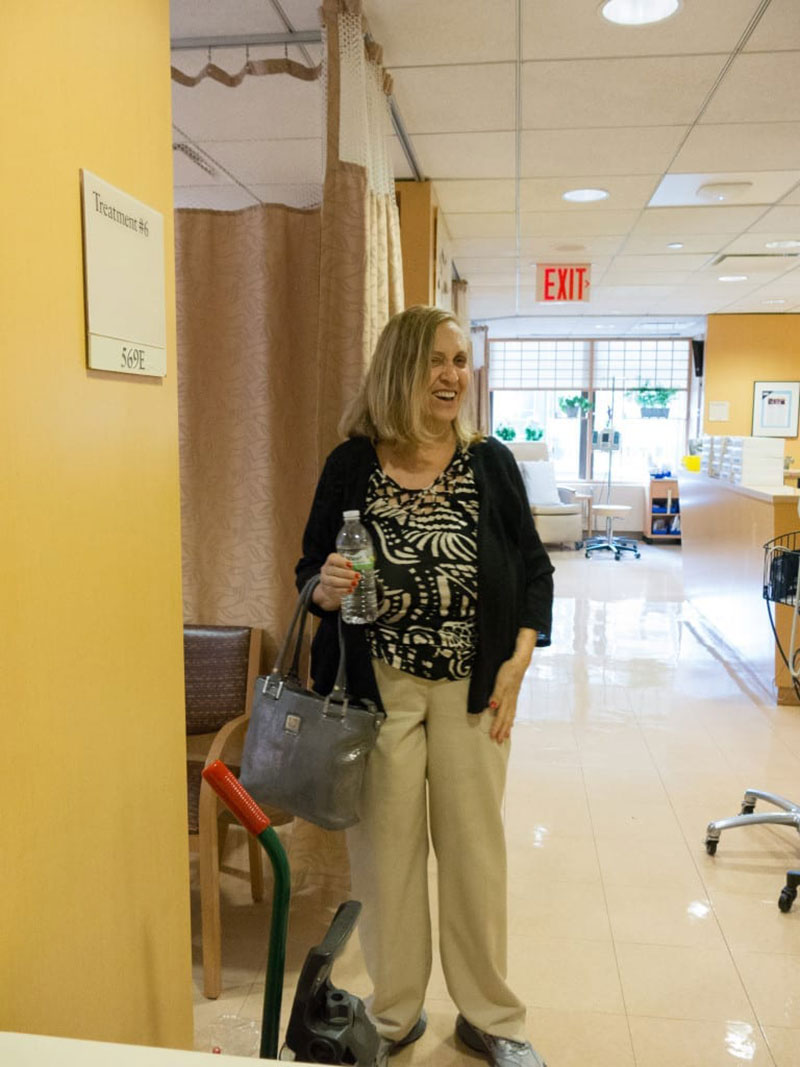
(533, 431)
(505, 431)
(573, 406)
(653, 400)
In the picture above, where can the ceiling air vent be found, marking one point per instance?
(192, 153)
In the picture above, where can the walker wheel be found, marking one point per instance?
(637, 555)
(617, 555)
(787, 898)
(588, 554)
(748, 809)
(711, 846)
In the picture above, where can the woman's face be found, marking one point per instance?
(449, 375)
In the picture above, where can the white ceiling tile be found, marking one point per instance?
(478, 247)
(497, 195)
(619, 276)
(741, 146)
(466, 155)
(630, 150)
(456, 99)
(756, 187)
(553, 28)
(625, 193)
(655, 264)
(685, 300)
(758, 87)
(470, 266)
(785, 220)
(791, 198)
(778, 29)
(752, 275)
(660, 90)
(475, 224)
(583, 248)
(625, 296)
(656, 243)
(581, 224)
(213, 198)
(702, 220)
(268, 162)
(271, 107)
(421, 33)
(208, 18)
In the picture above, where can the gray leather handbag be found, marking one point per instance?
(306, 753)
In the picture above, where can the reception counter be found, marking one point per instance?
(724, 530)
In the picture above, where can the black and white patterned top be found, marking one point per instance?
(427, 559)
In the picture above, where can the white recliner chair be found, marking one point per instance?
(558, 516)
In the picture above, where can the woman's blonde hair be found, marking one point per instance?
(390, 405)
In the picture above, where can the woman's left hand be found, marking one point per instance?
(503, 701)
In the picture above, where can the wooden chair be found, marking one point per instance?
(220, 667)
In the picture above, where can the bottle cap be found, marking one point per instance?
(351, 514)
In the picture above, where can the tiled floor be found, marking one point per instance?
(631, 946)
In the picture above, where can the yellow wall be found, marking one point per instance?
(94, 924)
(742, 349)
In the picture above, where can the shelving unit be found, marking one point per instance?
(663, 511)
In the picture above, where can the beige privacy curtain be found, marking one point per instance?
(278, 309)
(247, 296)
(361, 275)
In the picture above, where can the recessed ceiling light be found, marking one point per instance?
(675, 244)
(782, 244)
(638, 12)
(583, 196)
(732, 278)
(773, 301)
(570, 248)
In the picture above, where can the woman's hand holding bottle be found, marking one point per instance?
(337, 579)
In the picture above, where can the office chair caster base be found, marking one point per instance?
(789, 891)
(711, 846)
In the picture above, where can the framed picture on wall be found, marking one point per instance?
(775, 409)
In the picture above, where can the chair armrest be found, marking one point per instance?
(567, 495)
(225, 737)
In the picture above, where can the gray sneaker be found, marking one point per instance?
(387, 1047)
(499, 1051)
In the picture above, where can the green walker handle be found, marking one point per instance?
(236, 798)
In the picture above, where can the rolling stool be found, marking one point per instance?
(607, 540)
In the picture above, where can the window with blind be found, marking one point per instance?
(530, 382)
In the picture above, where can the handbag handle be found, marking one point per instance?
(278, 674)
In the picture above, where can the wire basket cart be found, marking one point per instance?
(781, 568)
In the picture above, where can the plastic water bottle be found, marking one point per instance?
(354, 543)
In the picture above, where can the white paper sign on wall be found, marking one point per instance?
(123, 270)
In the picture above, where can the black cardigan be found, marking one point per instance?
(515, 585)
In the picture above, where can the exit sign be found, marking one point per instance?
(563, 283)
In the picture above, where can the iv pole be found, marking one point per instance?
(607, 440)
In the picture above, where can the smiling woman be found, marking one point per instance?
(466, 593)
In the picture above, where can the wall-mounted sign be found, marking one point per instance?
(123, 272)
(563, 283)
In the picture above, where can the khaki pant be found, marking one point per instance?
(428, 734)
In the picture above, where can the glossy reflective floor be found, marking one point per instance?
(628, 943)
